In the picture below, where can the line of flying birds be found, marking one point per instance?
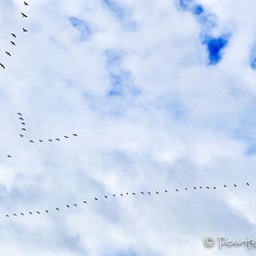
(14, 35)
(21, 118)
(114, 195)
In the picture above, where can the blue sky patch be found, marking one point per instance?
(83, 27)
(214, 47)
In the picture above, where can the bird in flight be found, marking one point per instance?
(23, 129)
(50, 140)
(19, 114)
(24, 15)
(22, 123)
(22, 213)
(31, 141)
(247, 184)
(40, 141)
(176, 189)
(24, 30)
(75, 205)
(57, 139)
(106, 196)
(8, 53)
(21, 135)
(68, 206)
(46, 211)
(149, 193)
(25, 3)
(9, 156)
(21, 118)
(38, 212)
(66, 137)
(13, 35)
(234, 185)
(57, 209)
(2, 65)
(74, 134)
(30, 213)
(12, 43)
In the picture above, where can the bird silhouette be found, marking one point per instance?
(96, 198)
(24, 15)
(9, 156)
(8, 53)
(25, 3)
(134, 194)
(75, 205)
(38, 212)
(214, 187)
(13, 35)
(24, 30)
(114, 195)
(31, 141)
(23, 129)
(85, 202)
(142, 193)
(106, 196)
(23, 123)
(30, 213)
(149, 193)
(68, 206)
(22, 213)
(12, 43)
(194, 187)
(21, 135)
(15, 214)
(50, 140)
(2, 65)
(66, 137)
(186, 188)
(7, 215)
(18, 113)
(207, 187)
(247, 184)
(127, 193)
(57, 139)
(40, 141)
(46, 211)
(157, 192)
(21, 118)
(234, 185)
(176, 189)
(74, 134)
(57, 209)
(225, 186)
(121, 194)
(165, 191)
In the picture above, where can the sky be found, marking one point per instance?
(161, 95)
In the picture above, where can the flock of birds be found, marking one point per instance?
(67, 206)
(24, 130)
(12, 41)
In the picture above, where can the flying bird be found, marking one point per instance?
(134, 194)
(19, 114)
(57, 139)
(23, 123)
(207, 187)
(38, 212)
(8, 53)
(57, 209)
(25, 3)
(15, 214)
(142, 193)
(214, 187)
(96, 198)
(21, 118)
(194, 187)
(121, 194)
(200, 187)
(234, 185)
(157, 192)
(21, 135)
(50, 140)
(186, 188)
(40, 141)
(7, 215)
(31, 141)
(247, 184)
(22, 213)
(13, 35)
(85, 202)
(176, 189)
(9, 156)
(23, 129)
(2, 65)
(225, 186)
(75, 205)
(114, 195)
(106, 196)
(66, 137)
(12, 43)
(74, 134)
(127, 193)
(24, 15)
(47, 211)
(149, 193)
(30, 213)
(24, 30)
(165, 191)
(68, 206)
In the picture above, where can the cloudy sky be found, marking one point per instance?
(162, 97)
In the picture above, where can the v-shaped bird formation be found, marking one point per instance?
(105, 197)
(23, 133)
(14, 36)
